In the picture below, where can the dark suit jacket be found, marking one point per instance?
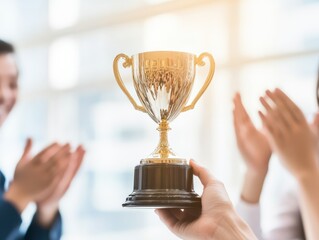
(10, 221)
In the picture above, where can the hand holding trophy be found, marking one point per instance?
(163, 82)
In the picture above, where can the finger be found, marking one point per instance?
(237, 127)
(54, 169)
(272, 131)
(64, 162)
(294, 109)
(240, 111)
(266, 105)
(282, 109)
(204, 176)
(66, 180)
(62, 154)
(275, 115)
(72, 169)
(167, 218)
(265, 122)
(52, 184)
(272, 116)
(80, 152)
(75, 163)
(237, 114)
(242, 121)
(58, 176)
(47, 152)
(273, 119)
(26, 152)
(60, 171)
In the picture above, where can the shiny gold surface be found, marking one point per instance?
(163, 153)
(200, 62)
(127, 63)
(163, 82)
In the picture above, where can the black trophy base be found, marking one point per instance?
(163, 186)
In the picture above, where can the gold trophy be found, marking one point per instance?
(163, 81)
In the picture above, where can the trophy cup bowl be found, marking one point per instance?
(163, 81)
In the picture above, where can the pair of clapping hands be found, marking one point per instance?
(285, 132)
(44, 179)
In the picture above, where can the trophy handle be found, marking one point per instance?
(127, 63)
(199, 61)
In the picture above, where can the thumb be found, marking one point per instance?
(26, 151)
(202, 173)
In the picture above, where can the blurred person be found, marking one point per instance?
(42, 179)
(216, 220)
(286, 133)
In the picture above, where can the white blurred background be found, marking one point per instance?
(68, 92)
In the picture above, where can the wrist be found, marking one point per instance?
(308, 177)
(253, 185)
(15, 196)
(257, 172)
(46, 214)
(305, 173)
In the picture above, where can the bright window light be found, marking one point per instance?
(63, 63)
(156, 1)
(63, 14)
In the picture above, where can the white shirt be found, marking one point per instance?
(285, 222)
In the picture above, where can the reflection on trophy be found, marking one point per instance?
(163, 82)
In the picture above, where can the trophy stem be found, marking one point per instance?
(163, 147)
(163, 153)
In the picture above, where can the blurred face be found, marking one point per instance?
(8, 85)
